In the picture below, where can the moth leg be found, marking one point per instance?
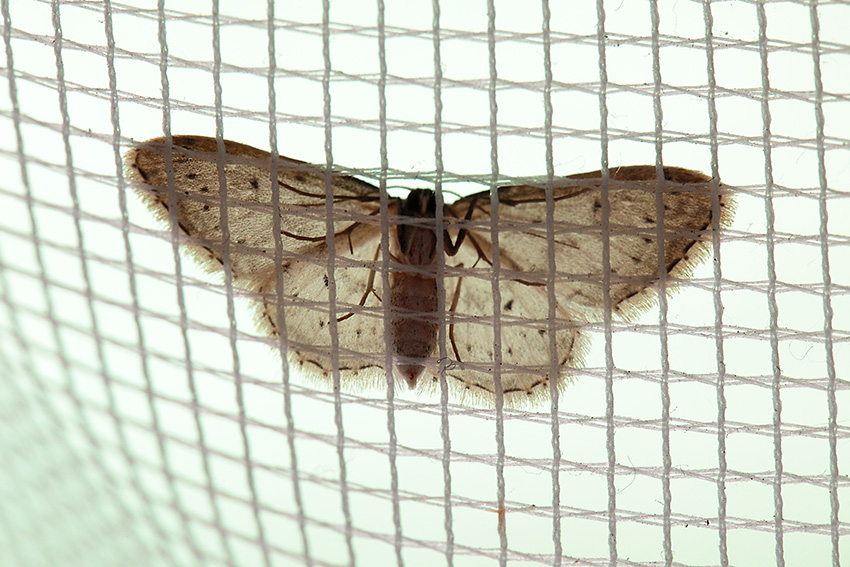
(455, 300)
(321, 196)
(370, 288)
(347, 231)
(481, 254)
(452, 248)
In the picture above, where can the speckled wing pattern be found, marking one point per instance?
(252, 246)
(467, 282)
(578, 240)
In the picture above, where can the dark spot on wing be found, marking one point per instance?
(626, 298)
(214, 255)
(509, 305)
(191, 175)
(325, 278)
(255, 183)
(139, 169)
(206, 207)
(578, 293)
(204, 189)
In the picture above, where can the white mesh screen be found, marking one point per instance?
(142, 424)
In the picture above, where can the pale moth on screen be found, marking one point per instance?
(410, 307)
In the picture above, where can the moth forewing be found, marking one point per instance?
(411, 303)
(631, 238)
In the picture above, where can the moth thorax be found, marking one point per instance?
(417, 237)
(418, 245)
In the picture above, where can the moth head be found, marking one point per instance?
(419, 203)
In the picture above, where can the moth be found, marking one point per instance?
(408, 310)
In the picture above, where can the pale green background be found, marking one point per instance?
(89, 479)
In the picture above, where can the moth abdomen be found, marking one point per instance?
(413, 301)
